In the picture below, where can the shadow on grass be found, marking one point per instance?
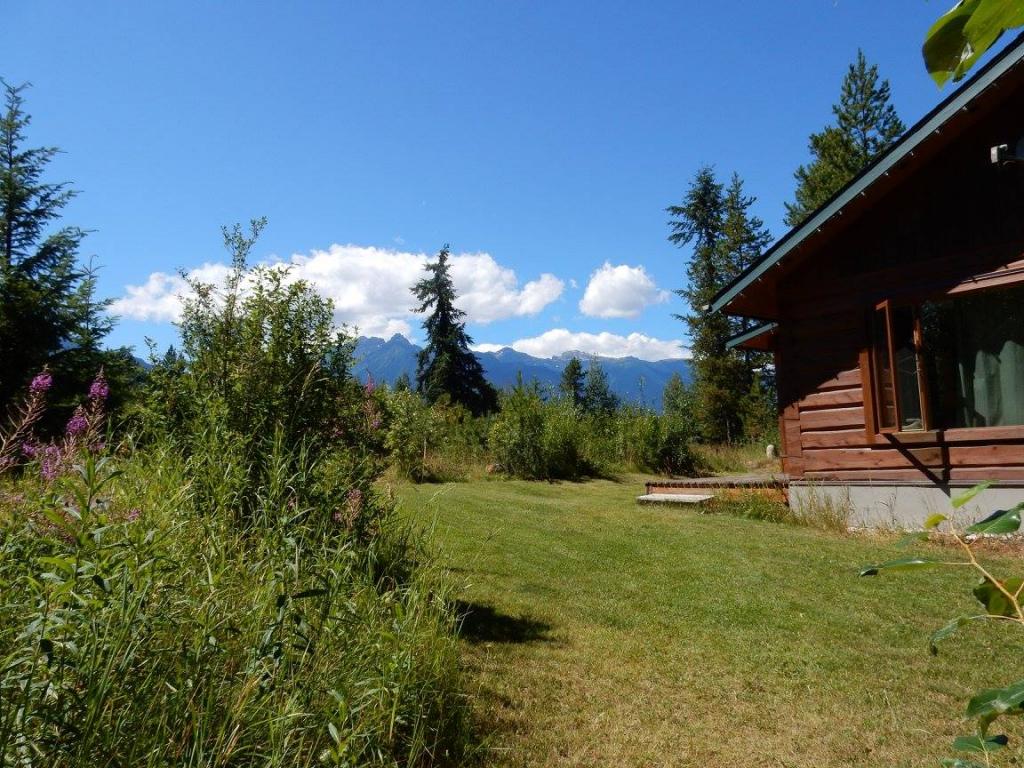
(483, 624)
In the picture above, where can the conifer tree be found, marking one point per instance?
(866, 125)
(726, 239)
(571, 385)
(598, 398)
(48, 314)
(446, 365)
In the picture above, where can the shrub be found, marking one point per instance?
(138, 628)
(412, 427)
(517, 434)
(263, 378)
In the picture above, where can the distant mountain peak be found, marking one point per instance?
(631, 379)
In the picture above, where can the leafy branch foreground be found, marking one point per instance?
(222, 584)
(1001, 600)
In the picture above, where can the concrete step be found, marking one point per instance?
(675, 498)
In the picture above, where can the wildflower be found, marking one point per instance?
(41, 383)
(370, 385)
(375, 423)
(99, 390)
(133, 515)
(50, 463)
(352, 509)
(29, 449)
(354, 500)
(77, 425)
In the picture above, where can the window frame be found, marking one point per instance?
(877, 402)
(872, 402)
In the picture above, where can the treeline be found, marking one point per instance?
(733, 397)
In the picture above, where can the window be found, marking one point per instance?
(952, 362)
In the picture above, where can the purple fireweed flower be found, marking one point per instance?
(375, 423)
(99, 390)
(41, 383)
(50, 463)
(29, 449)
(133, 515)
(370, 385)
(77, 425)
(354, 501)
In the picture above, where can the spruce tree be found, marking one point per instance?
(726, 239)
(48, 316)
(866, 125)
(744, 239)
(597, 397)
(446, 365)
(571, 385)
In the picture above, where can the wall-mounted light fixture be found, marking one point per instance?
(1001, 154)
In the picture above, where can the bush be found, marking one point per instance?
(534, 439)
(517, 434)
(140, 626)
(263, 378)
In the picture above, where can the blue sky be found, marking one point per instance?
(543, 140)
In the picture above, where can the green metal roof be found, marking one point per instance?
(742, 338)
(930, 124)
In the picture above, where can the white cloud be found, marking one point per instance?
(620, 291)
(559, 340)
(369, 287)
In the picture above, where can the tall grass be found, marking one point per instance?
(139, 629)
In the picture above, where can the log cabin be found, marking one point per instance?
(895, 313)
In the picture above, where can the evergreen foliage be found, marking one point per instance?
(48, 313)
(573, 378)
(446, 365)
(597, 396)
(866, 125)
(726, 239)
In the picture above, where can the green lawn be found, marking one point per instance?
(603, 633)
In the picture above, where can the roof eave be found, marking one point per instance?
(913, 139)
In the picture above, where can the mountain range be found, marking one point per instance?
(632, 379)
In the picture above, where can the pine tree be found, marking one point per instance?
(446, 366)
(699, 221)
(48, 315)
(402, 383)
(571, 385)
(726, 239)
(866, 125)
(598, 398)
(742, 240)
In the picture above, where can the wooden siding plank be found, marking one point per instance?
(832, 398)
(837, 438)
(826, 459)
(833, 418)
(993, 455)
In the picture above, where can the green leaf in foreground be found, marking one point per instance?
(903, 564)
(948, 630)
(958, 501)
(1003, 521)
(989, 704)
(979, 743)
(934, 520)
(994, 599)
